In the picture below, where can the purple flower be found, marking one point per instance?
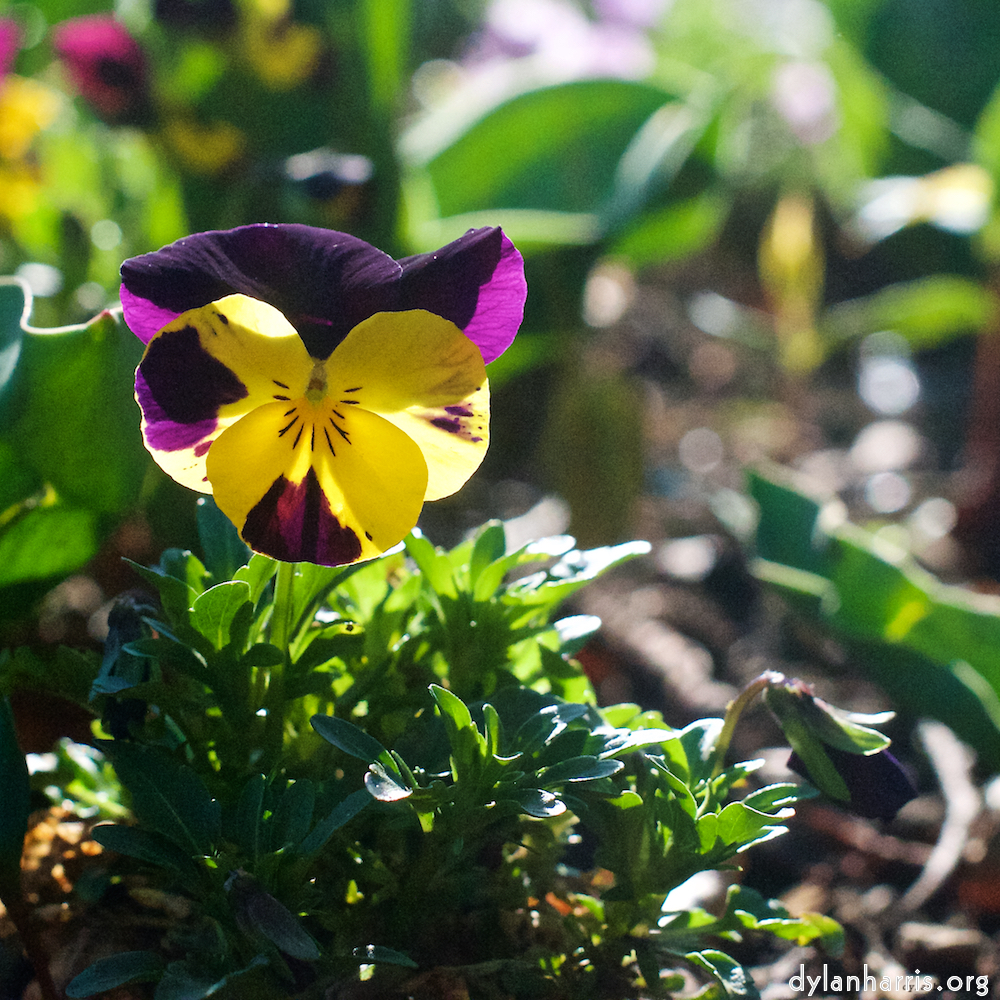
(107, 65)
(10, 42)
(321, 390)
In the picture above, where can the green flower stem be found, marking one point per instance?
(735, 709)
(281, 633)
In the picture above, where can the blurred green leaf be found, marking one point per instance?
(587, 123)
(15, 792)
(926, 312)
(117, 970)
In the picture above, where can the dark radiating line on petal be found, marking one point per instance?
(288, 413)
(350, 402)
(329, 442)
(356, 388)
(281, 384)
(297, 436)
(340, 430)
(340, 415)
(312, 439)
(284, 399)
(281, 433)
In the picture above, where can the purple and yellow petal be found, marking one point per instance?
(207, 369)
(328, 490)
(326, 282)
(477, 282)
(423, 374)
(323, 281)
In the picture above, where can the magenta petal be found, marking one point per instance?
(324, 282)
(476, 281)
(500, 308)
(10, 42)
(144, 318)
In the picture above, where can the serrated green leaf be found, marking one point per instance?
(212, 612)
(116, 970)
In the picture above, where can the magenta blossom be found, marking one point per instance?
(107, 66)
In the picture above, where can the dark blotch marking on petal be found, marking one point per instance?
(186, 384)
(368, 535)
(293, 522)
(223, 317)
(458, 411)
(202, 448)
(450, 424)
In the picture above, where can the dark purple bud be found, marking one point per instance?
(878, 785)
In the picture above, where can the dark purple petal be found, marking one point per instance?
(477, 282)
(180, 388)
(324, 282)
(293, 522)
(878, 785)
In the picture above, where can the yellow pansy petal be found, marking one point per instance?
(208, 368)
(328, 489)
(423, 374)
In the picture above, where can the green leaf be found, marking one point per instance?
(116, 970)
(167, 796)
(926, 312)
(212, 612)
(72, 413)
(382, 784)
(145, 845)
(538, 803)
(224, 551)
(293, 814)
(376, 953)
(15, 793)
(587, 123)
(582, 768)
(490, 546)
(741, 825)
(339, 816)
(348, 737)
(249, 816)
(731, 976)
(453, 710)
(47, 541)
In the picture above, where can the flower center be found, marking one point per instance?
(316, 389)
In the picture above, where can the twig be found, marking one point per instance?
(952, 763)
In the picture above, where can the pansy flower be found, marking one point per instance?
(319, 389)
